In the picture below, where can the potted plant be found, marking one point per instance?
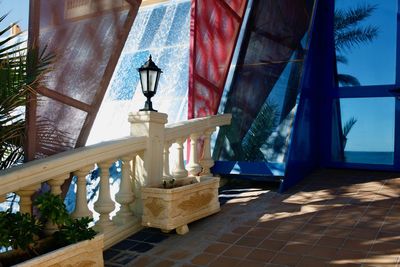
(175, 203)
(51, 237)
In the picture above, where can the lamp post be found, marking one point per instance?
(149, 78)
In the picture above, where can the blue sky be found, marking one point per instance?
(19, 12)
(374, 63)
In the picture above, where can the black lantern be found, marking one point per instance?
(149, 77)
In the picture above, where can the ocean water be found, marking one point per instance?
(369, 157)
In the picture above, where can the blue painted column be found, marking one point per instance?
(310, 145)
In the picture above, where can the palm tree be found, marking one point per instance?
(15, 85)
(349, 33)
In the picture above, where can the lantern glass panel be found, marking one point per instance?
(143, 80)
(153, 80)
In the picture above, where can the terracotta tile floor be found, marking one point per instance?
(333, 218)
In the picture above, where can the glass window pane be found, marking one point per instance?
(365, 38)
(368, 130)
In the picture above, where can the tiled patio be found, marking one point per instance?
(333, 218)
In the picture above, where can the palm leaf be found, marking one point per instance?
(15, 85)
(348, 126)
(341, 58)
(347, 80)
(345, 19)
(351, 38)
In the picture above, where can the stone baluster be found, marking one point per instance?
(166, 172)
(193, 166)
(104, 204)
(25, 202)
(125, 195)
(207, 161)
(55, 184)
(81, 203)
(180, 171)
(55, 189)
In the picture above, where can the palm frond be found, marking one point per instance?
(262, 127)
(348, 126)
(354, 37)
(347, 80)
(341, 59)
(348, 18)
(15, 85)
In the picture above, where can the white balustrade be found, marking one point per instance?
(150, 145)
(81, 203)
(193, 166)
(206, 161)
(180, 171)
(125, 195)
(104, 204)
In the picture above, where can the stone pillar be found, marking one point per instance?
(149, 165)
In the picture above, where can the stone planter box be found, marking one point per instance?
(193, 198)
(85, 253)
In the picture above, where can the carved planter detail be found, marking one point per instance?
(88, 253)
(193, 198)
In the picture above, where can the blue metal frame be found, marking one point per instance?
(397, 107)
(375, 91)
(310, 143)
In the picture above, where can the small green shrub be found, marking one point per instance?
(51, 208)
(18, 230)
(21, 231)
(74, 231)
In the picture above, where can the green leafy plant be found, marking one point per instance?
(25, 234)
(52, 208)
(74, 231)
(18, 230)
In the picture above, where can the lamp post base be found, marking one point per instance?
(148, 106)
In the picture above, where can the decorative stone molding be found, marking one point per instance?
(88, 253)
(193, 198)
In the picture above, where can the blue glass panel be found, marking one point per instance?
(368, 130)
(124, 87)
(178, 31)
(366, 48)
(152, 26)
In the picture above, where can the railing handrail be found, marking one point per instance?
(42, 170)
(185, 128)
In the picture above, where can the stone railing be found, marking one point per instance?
(144, 159)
